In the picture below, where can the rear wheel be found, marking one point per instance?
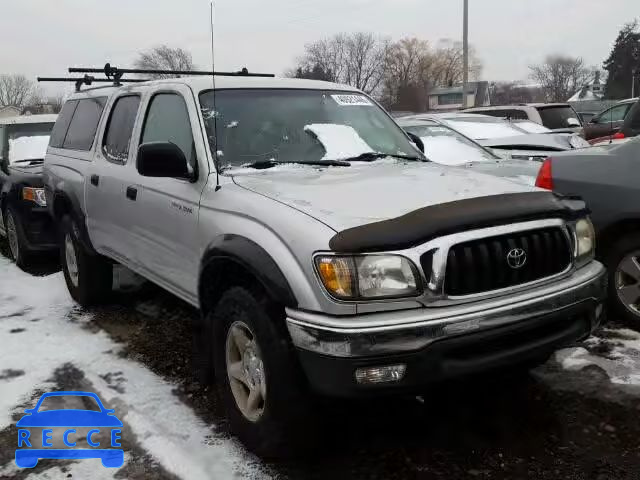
(261, 389)
(623, 263)
(15, 237)
(89, 277)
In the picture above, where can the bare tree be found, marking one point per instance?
(365, 55)
(356, 59)
(561, 76)
(448, 66)
(56, 102)
(407, 66)
(16, 90)
(163, 57)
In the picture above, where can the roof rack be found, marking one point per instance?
(89, 79)
(116, 73)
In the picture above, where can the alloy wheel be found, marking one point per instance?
(245, 371)
(12, 235)
(71, 259)
(627, 282)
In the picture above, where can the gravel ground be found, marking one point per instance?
(573, 418)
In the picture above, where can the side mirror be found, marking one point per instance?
(417, 141)
(573, 122)
(162, 159)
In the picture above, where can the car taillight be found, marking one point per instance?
(545, 179)
(618, 136)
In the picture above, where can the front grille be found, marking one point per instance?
(484, 265)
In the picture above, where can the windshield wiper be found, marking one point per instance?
(262, 164)
(372, 156)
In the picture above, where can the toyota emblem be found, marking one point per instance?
(516, 258)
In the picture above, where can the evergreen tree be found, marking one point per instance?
(622, 62)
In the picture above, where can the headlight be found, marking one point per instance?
(585, 240)
(367, 276)
(35, 195)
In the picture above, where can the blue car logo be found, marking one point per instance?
(100, 429)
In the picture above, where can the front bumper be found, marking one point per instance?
(443, 342)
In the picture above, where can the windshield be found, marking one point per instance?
(28, 141)
(446, 146)
(265, 125)
(484, 128)
(558, 117)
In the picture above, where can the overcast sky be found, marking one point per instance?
(43, 37)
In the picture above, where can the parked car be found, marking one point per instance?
(24, 219)
(325, 254)
(506, 138)
(585, 117)
(443, 145)
(610, 121)
(554, 116)
(607, 179)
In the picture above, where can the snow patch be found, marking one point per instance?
(54, 334)
(485, 130)
(451, 151)
(28, 148)
(339, 141)
(621, 363)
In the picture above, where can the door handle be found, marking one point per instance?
(132, 193)
(95, 180)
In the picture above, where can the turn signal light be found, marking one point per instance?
(545, 179)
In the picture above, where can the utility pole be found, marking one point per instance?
(465, 53)
(633, 83)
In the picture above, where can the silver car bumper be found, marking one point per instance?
(411, 330)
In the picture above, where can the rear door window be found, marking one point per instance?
(557, 117)
(117, 137)
(62, 124)
(83, 126)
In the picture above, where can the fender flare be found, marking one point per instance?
(253, 258)
(78, 216)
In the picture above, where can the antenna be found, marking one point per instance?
(215, 111)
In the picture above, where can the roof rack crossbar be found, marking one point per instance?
(88, 80)
(117, 73)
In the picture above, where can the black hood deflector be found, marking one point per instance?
(425, 224)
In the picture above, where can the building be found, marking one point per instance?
(450, 98)
(9, 111)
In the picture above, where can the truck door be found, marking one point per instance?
(167, 208)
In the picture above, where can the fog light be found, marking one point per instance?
(372, 375)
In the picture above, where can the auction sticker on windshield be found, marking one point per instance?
(351, 100)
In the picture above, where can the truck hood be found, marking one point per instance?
(346, 197)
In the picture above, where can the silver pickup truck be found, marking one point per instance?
(326, 253)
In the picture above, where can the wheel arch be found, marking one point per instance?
(234, 260)
(612, 232)
(65, 203)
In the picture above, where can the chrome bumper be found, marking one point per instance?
(410, 330)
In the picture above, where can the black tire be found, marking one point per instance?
(94, 272)
(17, 245)
(286, 422)
(615, 253)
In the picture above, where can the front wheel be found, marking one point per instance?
(623, 264)
(15, 237)
(89, 277)
(261, 389)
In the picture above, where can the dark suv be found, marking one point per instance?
(24, 219)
